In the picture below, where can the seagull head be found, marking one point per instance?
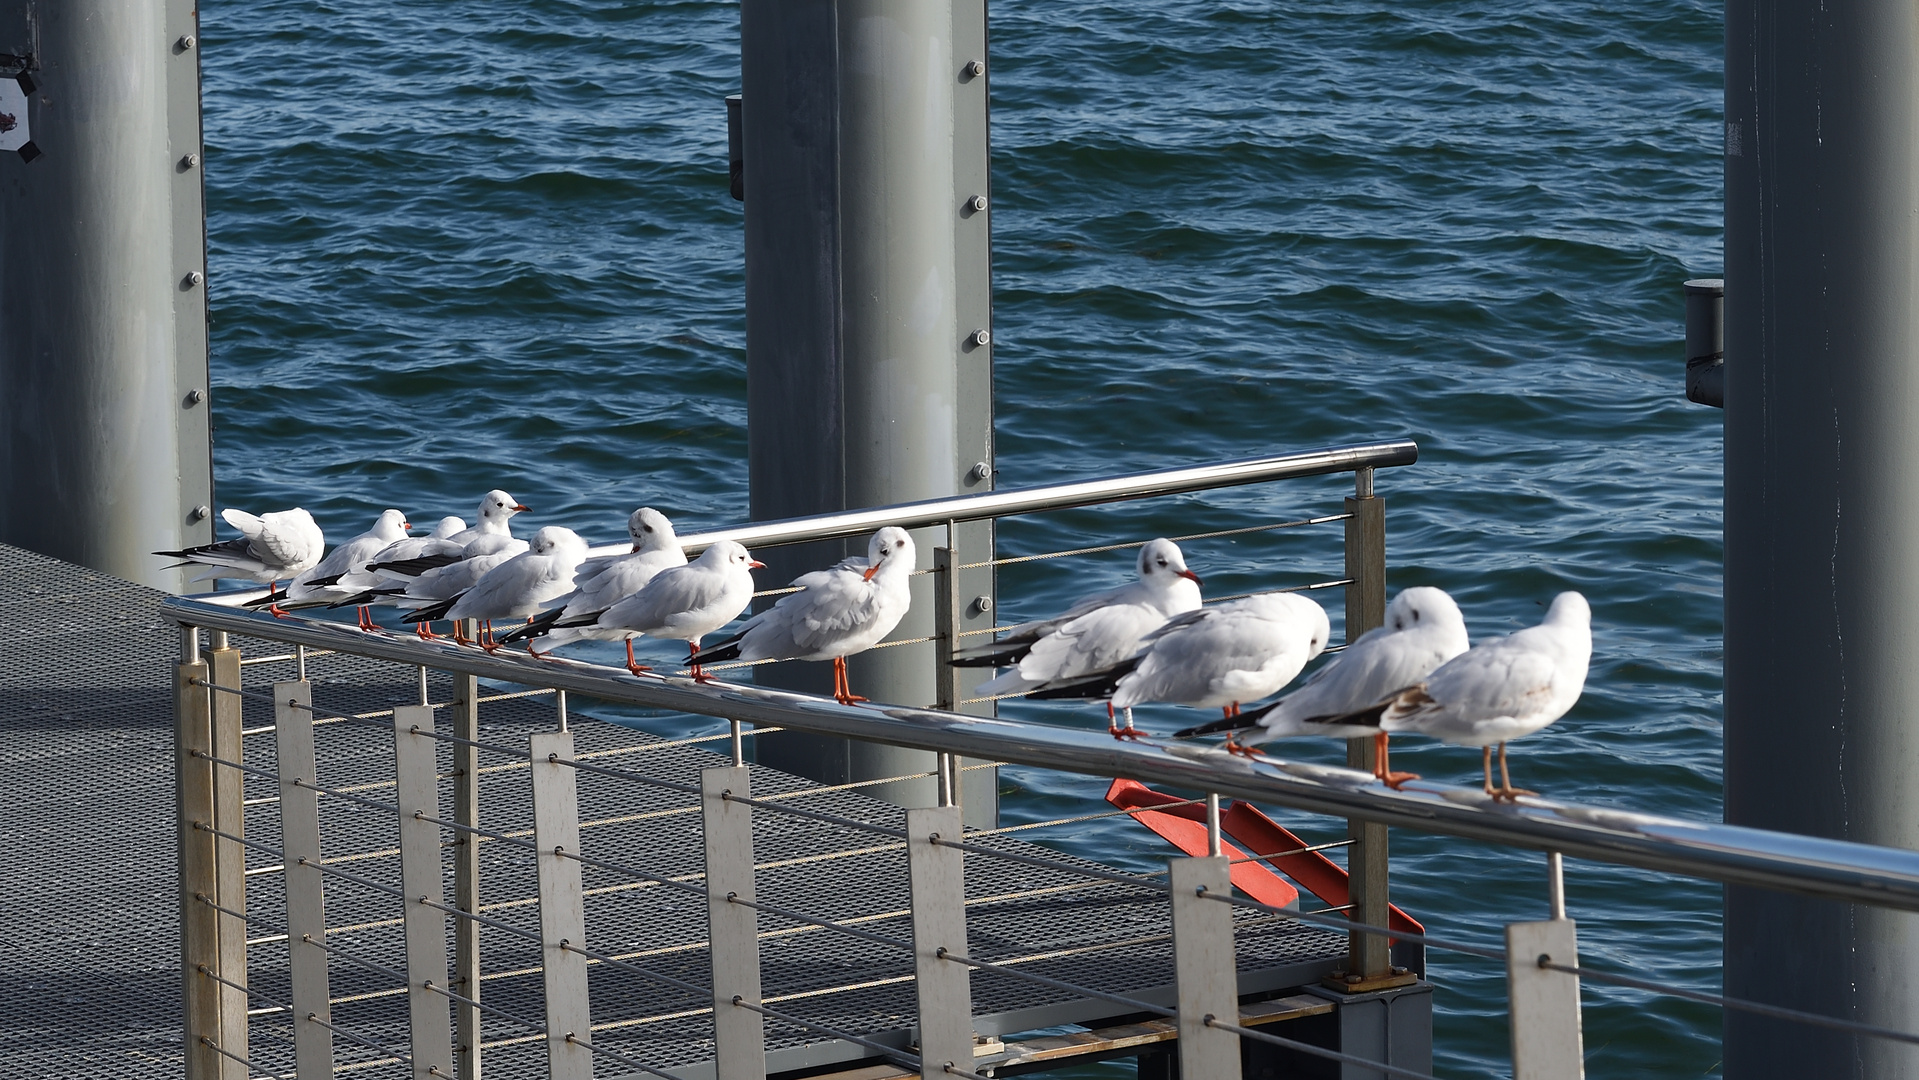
(729, 555)
(1161, 563)
(391, 526)
(650, 530)
(497, 506)
(1569, 609)
(555, 538)
(449, 525)
(890, 549)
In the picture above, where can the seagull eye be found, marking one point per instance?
(646, 528)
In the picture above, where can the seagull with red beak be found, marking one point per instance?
(686, 603)
(839, 611)
(1094, 634)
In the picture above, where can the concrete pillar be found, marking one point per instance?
(104, 453)
(1822, 523)
(869, 356)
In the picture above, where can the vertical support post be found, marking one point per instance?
(417, 792)
(1368, 955)
(1547, 1044)
(466, 875)
(103, 369)
(229, 813)
(1822, 425)
(868, 312)
(1214, 844)
(556, 829)
(1556, 884)
(198, 865)
(1206, 968)
(559, 709)
(945, 988)
(305, 885)
(738, 1034)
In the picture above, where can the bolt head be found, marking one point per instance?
(190, 160)
(186, 42)
(976, 68)
(977, 202)
(982, 337)
(200, 512)
(979, 471)
(982, 604)
(195, 277)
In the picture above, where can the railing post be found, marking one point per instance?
(466, 875)
(305, 886)
(198, 862)
(1369, 956)
(1547, 1044)
(417, 791)
(1205, 966)
(556, 829)
(938, 902)
(733, 930)
(229, 797)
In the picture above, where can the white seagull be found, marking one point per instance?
(602, 582)
(276, 545)
(489, 533)
(518, 587)
(839, 611)
(1218, 656)
(1095, 633)
(1497, 691)
(360, 586)
(440, 585)
(686, 603)
(1423, 630)
(318, 583)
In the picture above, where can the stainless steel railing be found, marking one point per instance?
(1832, 869)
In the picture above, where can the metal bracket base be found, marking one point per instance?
(1348, 983)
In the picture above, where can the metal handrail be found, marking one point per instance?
(1833, 869)
(994, 504)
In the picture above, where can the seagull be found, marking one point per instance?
(839, 611)
(604, 581)
(1094, 634)
(440, 584)
(1218, 656)
(1496, 691)
(686, 603)
(280, 544)
(1423, 630)
(317, 584)
(496, 509)
(362, 585)
(518, 587)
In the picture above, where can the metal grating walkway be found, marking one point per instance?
(91, 981)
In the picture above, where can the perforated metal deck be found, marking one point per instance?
(91, 981)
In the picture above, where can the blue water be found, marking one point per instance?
(461, 245)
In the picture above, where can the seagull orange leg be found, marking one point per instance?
(633, 665)
(487, 640)
(842, 689)
(1486, 764)
(1506, 789)
(273, 607)
(425, 630)
(1112, 726)
(1386, 776)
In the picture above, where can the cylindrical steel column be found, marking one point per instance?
(103, 369)
(868, 340)
(1822, 575)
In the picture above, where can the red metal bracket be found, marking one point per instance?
(1184, 826)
